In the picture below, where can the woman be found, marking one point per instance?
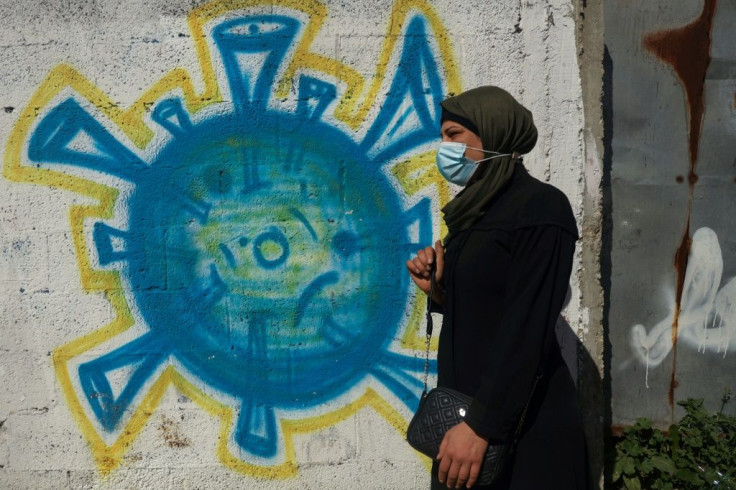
(502, 277)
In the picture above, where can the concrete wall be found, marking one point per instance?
(204, 214)
(671, 86)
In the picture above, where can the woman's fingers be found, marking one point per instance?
(473, 475)
(454, 475)
(420, 267)
(426, 257)
(461, 454)
(443, 469)
(462, 475)
(417, 276)
(440, 258)
(424, 260)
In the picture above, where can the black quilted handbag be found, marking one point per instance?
(439, 410)
(442, 408)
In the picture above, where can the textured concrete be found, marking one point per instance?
(670, 187)
(107, 379)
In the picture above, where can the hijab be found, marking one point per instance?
(504, 126)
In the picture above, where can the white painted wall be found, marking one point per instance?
(123, 48)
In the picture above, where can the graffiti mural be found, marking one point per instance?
(673, 241)
(707, 314)
(250, 238)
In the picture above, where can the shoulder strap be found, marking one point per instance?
(430, 326)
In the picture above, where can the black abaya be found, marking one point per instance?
(505, 282)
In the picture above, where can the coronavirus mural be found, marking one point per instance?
(250, 237)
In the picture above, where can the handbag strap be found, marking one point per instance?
(520, 425)
(430, 327)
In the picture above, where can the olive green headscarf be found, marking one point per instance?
(504, 126)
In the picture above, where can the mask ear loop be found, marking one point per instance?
(494, 156)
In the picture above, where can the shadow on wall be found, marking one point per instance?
(606, 247)
(589, 386)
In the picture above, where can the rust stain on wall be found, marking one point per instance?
(681, 256)
(687, 50)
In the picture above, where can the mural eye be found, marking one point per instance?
(271, 248)
(256, 28)
(345, 243)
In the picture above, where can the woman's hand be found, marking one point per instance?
(420, 269)
(461, 455)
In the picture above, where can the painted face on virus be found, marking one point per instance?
(269, 254)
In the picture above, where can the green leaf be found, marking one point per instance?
(710, 475)
(695, 441)
(628, 466)
(617, 470)
(632, 483)
(627, 445)
(688, 476)
(675, 438)
(663, 464)
(684, 457)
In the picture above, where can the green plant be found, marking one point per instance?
(697, 452)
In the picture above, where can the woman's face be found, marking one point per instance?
(456, 132)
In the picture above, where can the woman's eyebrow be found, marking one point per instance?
(448, 128)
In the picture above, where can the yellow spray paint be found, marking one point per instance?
(414, 175)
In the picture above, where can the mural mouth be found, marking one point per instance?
(312, 290)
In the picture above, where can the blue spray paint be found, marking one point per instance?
(264, 249)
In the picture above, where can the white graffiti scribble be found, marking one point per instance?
(707, 315)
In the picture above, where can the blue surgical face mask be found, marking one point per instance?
(454, 166)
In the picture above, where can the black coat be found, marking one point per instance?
(505, 283)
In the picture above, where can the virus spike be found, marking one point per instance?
(419, 172)
(399, 374)
(401, 362)
(70, 135)
(135, 361)
(314, 97)
(107, 240)
(252, 50)
(256, 429)
(170, 114)
(410, 114)
(404, 386)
